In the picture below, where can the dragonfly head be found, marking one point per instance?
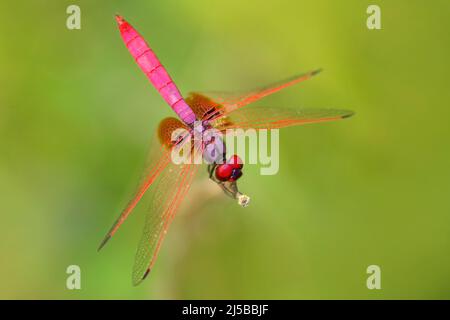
(226, 176)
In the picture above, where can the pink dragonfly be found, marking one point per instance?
(219, 111)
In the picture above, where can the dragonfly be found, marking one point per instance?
(168, 181)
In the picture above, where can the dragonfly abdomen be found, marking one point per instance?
(155, 71)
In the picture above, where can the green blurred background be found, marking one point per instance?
(76, 117)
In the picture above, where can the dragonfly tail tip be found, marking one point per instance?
(119, 19)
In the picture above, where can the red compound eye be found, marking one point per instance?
(236, 174)
(223, 172)
(235, 162)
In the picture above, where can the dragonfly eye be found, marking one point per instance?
(224, 172)
(235, 174)
(236, 162)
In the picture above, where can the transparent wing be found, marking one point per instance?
(158, 159)
(274, 118)
(170, 190)
(228, 102)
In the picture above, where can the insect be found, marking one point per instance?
(169, 182)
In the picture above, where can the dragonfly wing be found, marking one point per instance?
(170, 190)
(204, 107)
(232, 101)
(274, 118)
(158, 159)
